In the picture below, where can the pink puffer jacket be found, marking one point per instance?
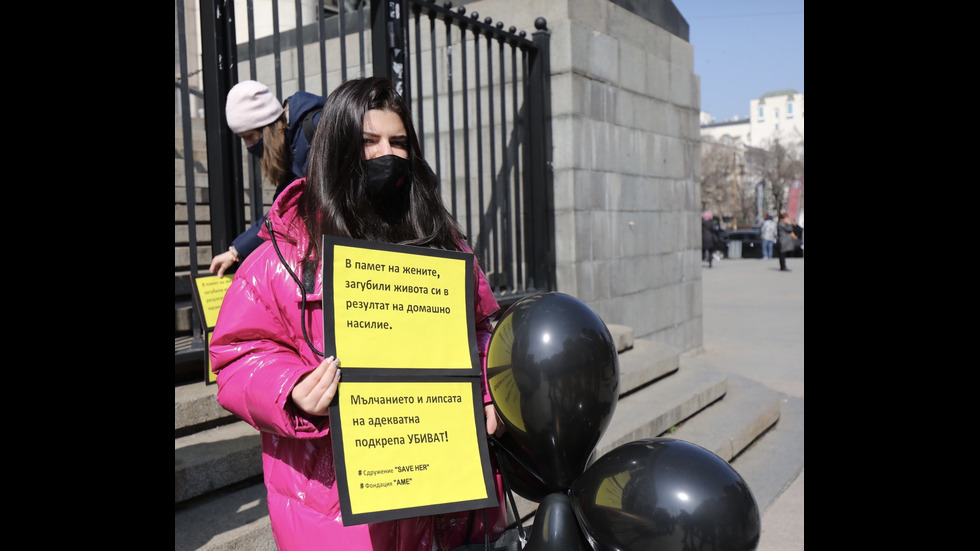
(258, 353)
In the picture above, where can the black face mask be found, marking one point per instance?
(386, 177)
(256, 149)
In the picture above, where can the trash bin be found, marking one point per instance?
(734, 249)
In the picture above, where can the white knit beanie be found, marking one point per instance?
(251, 105)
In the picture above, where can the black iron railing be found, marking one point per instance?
(481, 101)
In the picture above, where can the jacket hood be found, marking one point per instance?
(300, 104)
(290, 233)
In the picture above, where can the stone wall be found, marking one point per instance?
(625, 107)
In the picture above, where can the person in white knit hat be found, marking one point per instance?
(279, 134)
(250, 106)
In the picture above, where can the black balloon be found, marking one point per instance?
(553, 371)
(662, 494)
(555, 527)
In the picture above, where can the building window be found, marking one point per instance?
(762, 111)
(789, 110)
(775, 112)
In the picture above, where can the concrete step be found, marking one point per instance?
(729, 426)
(195, 407)
(214, 459)
(772, 462)
(222, 504)
(234, 520)
(760, 435)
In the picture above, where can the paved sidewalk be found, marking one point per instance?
(753, 327)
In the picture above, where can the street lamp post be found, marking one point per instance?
(738, 170)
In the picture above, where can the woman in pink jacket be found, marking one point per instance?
(366, 180)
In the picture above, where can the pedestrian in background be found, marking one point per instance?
(367, 180)
(786, 236)
(768, 236)
(709, 236)
(279, 135)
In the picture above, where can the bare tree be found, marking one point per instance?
(781, 164)
(718, 182)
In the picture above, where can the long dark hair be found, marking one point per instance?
(335, 202)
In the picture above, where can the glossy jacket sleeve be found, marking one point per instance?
(257, 362)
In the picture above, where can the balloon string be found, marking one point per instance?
(530, 470)
(510, 495)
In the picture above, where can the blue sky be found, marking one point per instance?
(743, 49)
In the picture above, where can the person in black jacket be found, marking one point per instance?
(785, 240)
(709, 236)
(277, 133)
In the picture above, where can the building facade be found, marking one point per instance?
(775, 115)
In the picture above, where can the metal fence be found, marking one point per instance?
(480, 96)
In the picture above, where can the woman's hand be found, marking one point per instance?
(223, 261)
(494, 424)
(315, 390)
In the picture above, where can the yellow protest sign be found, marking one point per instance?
(407, 423)
(410, 446)
(388, 304)
(209, 293)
